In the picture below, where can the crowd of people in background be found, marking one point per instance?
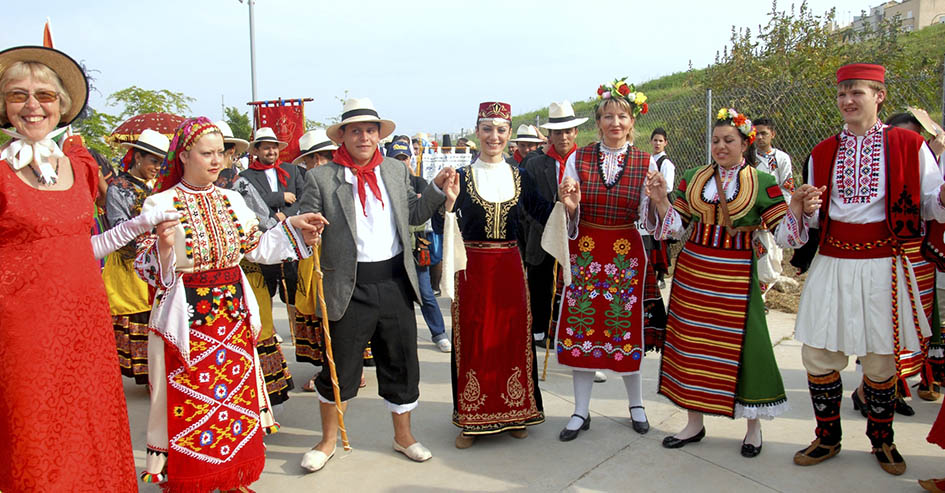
(537, 242)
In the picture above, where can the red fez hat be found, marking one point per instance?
(861, 71)
(493, 110)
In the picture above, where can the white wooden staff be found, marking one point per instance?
(551, 321)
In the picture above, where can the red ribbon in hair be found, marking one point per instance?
(282, 174)
(128, 161)
(365, 174)
(553, 153)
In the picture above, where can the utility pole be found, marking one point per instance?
(252, 44)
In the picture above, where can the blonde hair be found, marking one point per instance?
(621, 104)
(38, 72)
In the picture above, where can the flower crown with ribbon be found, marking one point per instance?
(739, 121)
(188, 133)
(621, 90)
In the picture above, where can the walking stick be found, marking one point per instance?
(554, 291)
(328, 352)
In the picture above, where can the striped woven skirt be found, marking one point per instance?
(718, 358)
(912, 362)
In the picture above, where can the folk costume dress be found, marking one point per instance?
(60, 390)
(494, 376)
(718, 358)
(209, 405)
(769, 255)
(127, 293)
(613, 298)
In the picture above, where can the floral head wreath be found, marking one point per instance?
(186, 135)
(739, 121)
(621, 90)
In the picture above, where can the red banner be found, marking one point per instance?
(287, 119)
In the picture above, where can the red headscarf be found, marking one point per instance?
(365, 174)
(186, 135)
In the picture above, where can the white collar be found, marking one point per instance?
(21, 152)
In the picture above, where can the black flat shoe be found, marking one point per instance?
(859, 405)
(673, 442)
(903, 408)
(749, 450)
(640, 427)
(567, 435)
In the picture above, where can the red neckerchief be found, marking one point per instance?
(364, 174)
(282, 174)
(518, 157)
(553, 153)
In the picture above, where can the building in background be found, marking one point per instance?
(913, 14)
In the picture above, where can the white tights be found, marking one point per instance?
(584, 382)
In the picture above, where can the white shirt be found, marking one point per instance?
(493, 180)
(376, 234)
(668, 170)
(777, 163)
(272, 178)
(864, 201)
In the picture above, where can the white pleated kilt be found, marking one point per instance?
(846, 306)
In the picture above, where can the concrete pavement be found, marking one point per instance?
(608, 457)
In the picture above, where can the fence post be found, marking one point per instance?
(708, 126)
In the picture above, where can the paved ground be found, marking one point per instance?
(608, 457)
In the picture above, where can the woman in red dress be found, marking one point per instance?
(62, 412)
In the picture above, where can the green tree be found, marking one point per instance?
(136, 101)
(93, 128)
(239, 123)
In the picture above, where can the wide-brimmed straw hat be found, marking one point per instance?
(314, 141)
(265, 134)
(150, 141)
(357, 110)
(69, 72)
(228, 138)
(561, 116)
(527, 133)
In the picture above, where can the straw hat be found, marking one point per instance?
(69, 72)
(265, 134)
(561, 116)
(228, 138)
(527, 133)
(150, 141)
(314, 141)
(357, 110)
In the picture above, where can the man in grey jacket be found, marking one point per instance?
(370, 280)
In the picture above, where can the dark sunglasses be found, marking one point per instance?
(23, 96)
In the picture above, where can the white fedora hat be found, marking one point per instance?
(527, 133)
(265, 134)
(228, 138)
(358, 110)
(314, 141)
(150, 141)
(561, 116)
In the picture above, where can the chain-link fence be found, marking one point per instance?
(803, 114)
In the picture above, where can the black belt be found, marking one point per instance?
(370, 272)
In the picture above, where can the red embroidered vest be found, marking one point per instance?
(618, 204)
(903, 188)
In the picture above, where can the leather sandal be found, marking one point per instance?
(567, 435)
(816, 453)
(933, 485)
(464, 441)
(889, 459)
(519, 433)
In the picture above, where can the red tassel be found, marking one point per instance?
(128, 160)
(904, 392)
(243, 474)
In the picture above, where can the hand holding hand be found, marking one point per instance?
(806, 200)
(310, 225)
(570, 193)
(452, 191)
(441, 178)
(165, 233)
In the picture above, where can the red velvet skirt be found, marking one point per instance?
(494, 372)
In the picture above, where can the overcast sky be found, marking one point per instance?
(425, 64)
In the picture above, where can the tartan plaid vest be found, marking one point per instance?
(618, 204)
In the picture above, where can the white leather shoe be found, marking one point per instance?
(314, 460)
(600, 376)
(416, 452)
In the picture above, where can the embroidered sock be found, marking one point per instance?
(583, 383)
(826, 391)
(881, 402)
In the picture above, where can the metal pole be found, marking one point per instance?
(252, 46)
(708, 126)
